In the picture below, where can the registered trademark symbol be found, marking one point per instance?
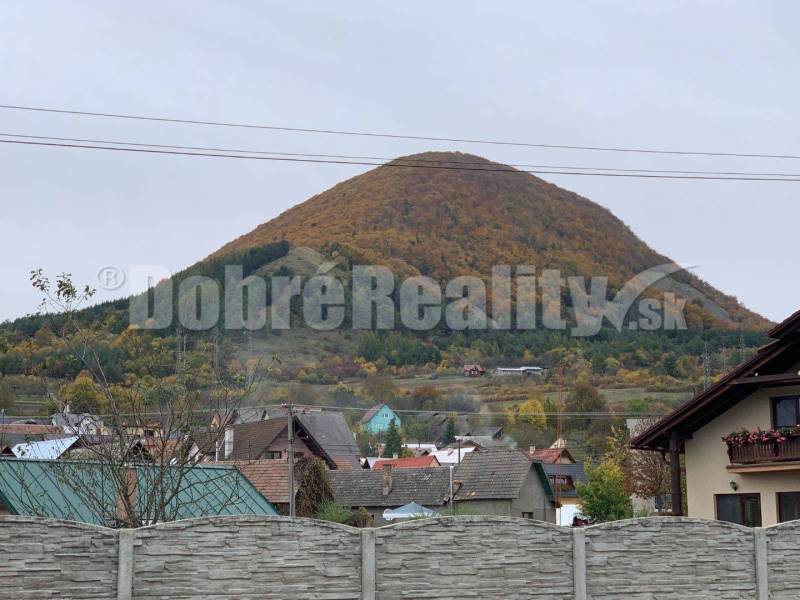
(110, 277)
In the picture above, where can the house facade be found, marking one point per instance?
(505, 483)
(740, 439)
(378, 418)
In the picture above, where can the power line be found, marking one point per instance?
(393, 164)
(387, 159)
(395, 136)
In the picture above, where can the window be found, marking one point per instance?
(786, 411)
(788, 506)
(273, 454)
(527, 515)
(744, 509)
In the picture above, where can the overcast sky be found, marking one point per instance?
(719, 76)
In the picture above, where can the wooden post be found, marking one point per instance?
(675, 467)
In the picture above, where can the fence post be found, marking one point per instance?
(579, 562)
(125, 564)
(762, 568)
(368, 566)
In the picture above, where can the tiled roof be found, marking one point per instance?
(364, 487)
(551, 455)
(411, 462)
(27, 429)
(330, 430)
(251, 440)
(270, 477)
(492, 475)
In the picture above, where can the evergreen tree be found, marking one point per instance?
(313, 486)
(394, 443)
(449, 435)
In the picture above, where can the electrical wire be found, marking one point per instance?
(395, 136)
(394, 164)
(421, 160)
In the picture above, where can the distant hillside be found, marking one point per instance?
(445, 222)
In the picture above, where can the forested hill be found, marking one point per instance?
(463, 214)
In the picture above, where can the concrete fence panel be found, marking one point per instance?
(487, 558)
(783, 560)
(670, 559)
(235, 558)
(47, 558)
(474, 557)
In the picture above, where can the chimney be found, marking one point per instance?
(228, 442)
(387, 479)
(126, 497)
(532, 450)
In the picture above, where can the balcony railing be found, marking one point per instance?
(765, 452)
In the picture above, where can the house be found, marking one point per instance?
(486, 441)
(328, 428)
(420, 448)
(38, 488)
(322, 434)
(474, 370)
(83, 424)
(564, 473)
(12, 434)
(263, 440)
(552, 455)
(377, 490)
(524, 371)
(411, 462)
(377, 419)
(505, 482)
(740, 439)
(331, 432)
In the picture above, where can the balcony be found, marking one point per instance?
(769, 455)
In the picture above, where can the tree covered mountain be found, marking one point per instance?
(446, 214)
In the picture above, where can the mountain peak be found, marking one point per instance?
(445, 214)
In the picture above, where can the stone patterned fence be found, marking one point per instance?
(241, 558)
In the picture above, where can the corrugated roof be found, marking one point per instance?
(45, 449)
(364, 487)
(55, 489)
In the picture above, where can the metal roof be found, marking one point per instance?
(44, 449)
(55, 489)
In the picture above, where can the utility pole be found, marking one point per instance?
(741, 345)
(706, 367)
(452, 501)
(290, 436)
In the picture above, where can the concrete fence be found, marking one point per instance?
(241, 558)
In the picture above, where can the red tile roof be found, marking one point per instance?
(269, 476)
(551, 455)
(411, 462)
